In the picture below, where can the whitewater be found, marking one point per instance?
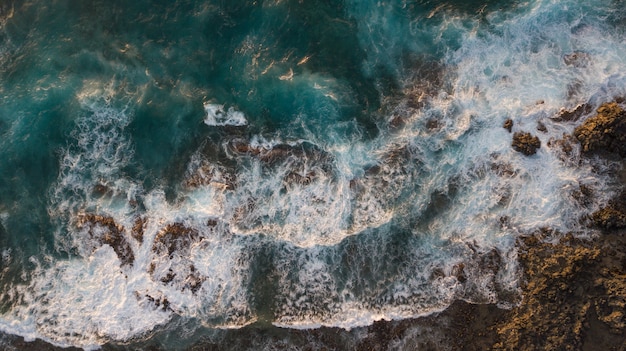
(199, 166)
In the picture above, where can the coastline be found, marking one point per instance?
(574, 293)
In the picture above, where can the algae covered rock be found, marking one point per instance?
(605, 131)
(526, 143)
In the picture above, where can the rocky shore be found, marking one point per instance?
(574, 290)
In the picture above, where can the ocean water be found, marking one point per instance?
(172, 170)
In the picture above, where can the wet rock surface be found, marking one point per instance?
(105, 231)
(604, 132)
(613, 215)
(508, 125)
(525, 143)
(174, 237)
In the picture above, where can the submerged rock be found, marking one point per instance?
(604, 132)
(207, 173)
(138, 228)
(174, 237)
(525, 143)
(106, 231)
(306, 162)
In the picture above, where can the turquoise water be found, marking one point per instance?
(332, 163)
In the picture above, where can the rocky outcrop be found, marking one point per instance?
(174, 237)
(574, 296)
(613, 215)
(605, 132)
(554, 308)
(105, 231)
(525, 143)
(573, 115)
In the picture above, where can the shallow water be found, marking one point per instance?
(285, 163)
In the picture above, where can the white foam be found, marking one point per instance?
(217, 115)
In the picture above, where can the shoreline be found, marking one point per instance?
(573, 291)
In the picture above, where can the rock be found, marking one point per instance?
(584, 195)
(577, 59)
(174, 237)
(574, 115)
(105, 231)
(565, 145)
(508, 124)
(525, 143)
(604, 132)
(138, 228)
(207, 173)
(612, 216)
(306, 162)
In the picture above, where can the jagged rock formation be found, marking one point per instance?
(604, 132)
(526, 143)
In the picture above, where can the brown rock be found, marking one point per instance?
(574, 115)
(174, 237)
(138, 228)
(508, 124)
(105, 231)
(525, 143)
(604, 132)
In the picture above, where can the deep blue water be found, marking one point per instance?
(330, 163)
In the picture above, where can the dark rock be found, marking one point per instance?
(105, 231)
(525, 143)
(604, 132)
(433, 124)
(138, 228)
(574, 115)
(508, 124)
(458, 271)
(565, 145)
(161, 302)
(207, 173)
(612, 216)
(583, 195)
(174, 237)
